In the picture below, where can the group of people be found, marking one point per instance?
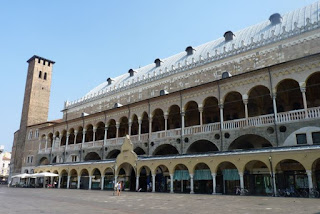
(118, 187)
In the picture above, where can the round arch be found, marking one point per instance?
(96, 179)
(192, 114)
(100, 131)
(202, 146)
(139, 151)
(64, 178)
(289, 96)
(127, 176)
(249, 141)
(123, 127)
(233, 107)
(112, 129)
(84, 179)
(135, 125)
(181, 179)
(165, 149)
(157, 120)
(211, 111)
(108, 183)
(174, 117)
(312, 90)
(89, 133)
(113, 154)
(202, 179)
(227, 178)
(145, 178)
(44, 161)
(92, 156)
(73, 179)
(291, 175)
(259, 101)
(257, 178)
(144, 123)
(316, 173)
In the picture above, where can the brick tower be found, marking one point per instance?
(35, 104)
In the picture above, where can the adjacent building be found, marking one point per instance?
(242, 110)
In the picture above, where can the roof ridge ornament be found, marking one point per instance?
(275, 19)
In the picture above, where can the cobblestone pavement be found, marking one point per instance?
(21, 200)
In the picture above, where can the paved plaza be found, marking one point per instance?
(22, 200)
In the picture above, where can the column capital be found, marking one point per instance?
(221, 105)
(274, 95)
(182, 113)
(130, 123)
(245, 101)
(75, 132)
(191, 176)
(200, 108)
(117, 125)
(213, 174)
(303, 89)
(94, 129)
(240, 174)
(309, 172)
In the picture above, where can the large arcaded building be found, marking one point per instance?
(242, 110)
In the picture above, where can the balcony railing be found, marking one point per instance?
(258, 121)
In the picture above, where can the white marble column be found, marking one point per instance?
(67, 140)
(245, 102)
(139, 122)
(84, 135)
(137, 183)
(75, 137)
(78, 184)
(102, 182)
(105, 135)
(90, 182)
(201, 111)
(304, 98)
(171, 183)
(153, 183)
(182, 123)
(117, 132)
(60, 138)
(241, 180)
(191, 184)
(150, 127)
(59, 182)
(94, 134)
(214, 184)
(68, 182)
(221, 115)
(310, 183)
(130, 125)
(274, 102)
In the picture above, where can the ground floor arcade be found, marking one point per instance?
(261, 172)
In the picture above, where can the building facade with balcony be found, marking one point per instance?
(242, 110)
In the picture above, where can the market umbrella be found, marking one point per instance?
(44, 174)
(24, 175)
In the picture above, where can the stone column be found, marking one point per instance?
(68, 182)
(310, 183)
(94, 134)
(137, 183)
(117, 126)
(182, 123)
(171, 183)
(274, 101)
(166, 123)
(214, 184)
(44, 182)
(90, 182)
(40, 141)
(83, 135)
(274, 184)
(201, 111)
(67, 140)
(78, 184)
(53, 142)
(241, 180)
(221, 115)
(245, 102)
(60, 138)
(46, 146)
(191, 183)
(130, 125)
(59, 182)
(150, 127)
(139, 122)
(304, 98)
(105, 135)
(75, 137)
(102, 182)
(153, 183)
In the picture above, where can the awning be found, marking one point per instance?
(181, 175)
(202, 174)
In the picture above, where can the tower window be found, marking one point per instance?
(49, 64)
(40, 74)
(39, 60)
(44, 62)
(45, 76)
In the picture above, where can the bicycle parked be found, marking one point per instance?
(241, 191)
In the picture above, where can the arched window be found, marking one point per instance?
(45, 76)
(40, 74)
